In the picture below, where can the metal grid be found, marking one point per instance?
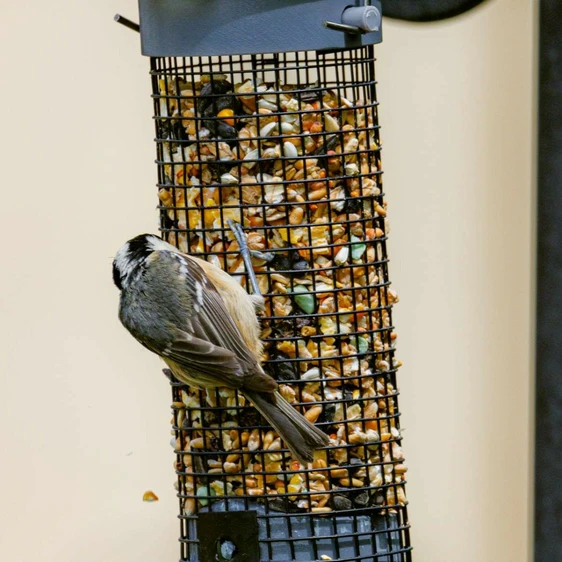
(288, 146)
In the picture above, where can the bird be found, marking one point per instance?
(204, 325)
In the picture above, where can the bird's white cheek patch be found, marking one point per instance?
(158, 245)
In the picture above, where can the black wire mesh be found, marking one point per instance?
(288, 146)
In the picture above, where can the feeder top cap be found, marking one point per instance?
(240, 27)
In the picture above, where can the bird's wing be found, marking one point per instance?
(211, 347)
(204, 364)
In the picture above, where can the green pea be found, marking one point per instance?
(203, 491)
(304, 299)
(357, 248)
(362, 345)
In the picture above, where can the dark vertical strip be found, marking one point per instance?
(548, 453)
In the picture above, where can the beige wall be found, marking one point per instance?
(456, 107)
(84, 415)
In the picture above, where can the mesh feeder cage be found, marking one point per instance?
(284, 143)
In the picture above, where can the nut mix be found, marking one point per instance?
(299, 169)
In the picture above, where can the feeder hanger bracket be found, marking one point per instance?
(358, 19)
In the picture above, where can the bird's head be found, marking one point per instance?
(133, 255)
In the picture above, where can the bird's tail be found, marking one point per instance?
(297, 432)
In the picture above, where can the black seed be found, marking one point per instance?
(211, 88)
(378, 499)
(301, 265)
(352, 205)
(342, 503)
(324, 148)
(362, 500)
(227, 102)
(283, 505)
(328, 413)
(208, 106)
(283, 371)
(224, 130)
(178, 131)
(315, 94)
(282, 261)
(282, 329)
(219, 168)
(250, 417)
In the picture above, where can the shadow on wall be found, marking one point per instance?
(427, 10)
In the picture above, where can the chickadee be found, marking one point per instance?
(203, 324)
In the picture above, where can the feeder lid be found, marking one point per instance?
(237, 27)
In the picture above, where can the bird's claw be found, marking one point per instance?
(246, 254)
(264, 256)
